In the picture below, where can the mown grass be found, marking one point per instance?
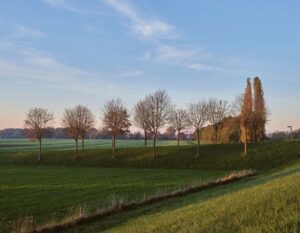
(212, 157)
(268, 203)
(50, 192)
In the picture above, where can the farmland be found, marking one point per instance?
(52, 192)
(54, 187)
(268, 203)
(14, 145)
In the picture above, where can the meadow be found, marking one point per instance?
(265, 204)
(59, 184)
(14, 145)
(48, 192)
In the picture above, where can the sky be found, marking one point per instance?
(56, 54)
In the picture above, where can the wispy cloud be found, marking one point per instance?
(21, 59)
(154, 29)
(130, 73)
(21, 31)
(24, 61)
(201, 67)
(157, 32)
(63, 4)
(165, 53)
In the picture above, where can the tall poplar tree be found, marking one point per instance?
(247, 114)
(260, 113)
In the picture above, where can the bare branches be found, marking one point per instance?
(78, 121)
(217, 110)
(198, 114)
(159, 105)
(179, 120)
(237, 105)
(86, 119)
(115, 119)
(141, 117)
(36, 122)
(197, 118)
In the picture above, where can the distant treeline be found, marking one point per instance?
(284, 135)
(62, 133)
(229, 133)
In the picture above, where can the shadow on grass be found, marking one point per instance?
(175, 203)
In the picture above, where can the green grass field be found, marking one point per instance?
(53, 187)
(50, 192)
(13, 145)
(267, 203)
(212, 157)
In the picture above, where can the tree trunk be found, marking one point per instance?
(113, 146)
(246, 141)
(154, 144)
(76, 148)
(145, 138)
(82, 142)
(198, 142)
(216, 135)
(40, 149)
(240, 135)
(178, 137)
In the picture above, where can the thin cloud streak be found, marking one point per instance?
(63, 4)
(148, 29)
(156, 32)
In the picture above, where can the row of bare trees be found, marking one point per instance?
(152, 113)
(156, 111)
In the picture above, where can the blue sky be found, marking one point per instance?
(59, 53)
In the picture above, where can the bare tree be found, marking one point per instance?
(72, 122)
(217, 110)
(197, 118)
(141, 118)
(159, 104)
(36, 123)
(236, 111)
(115, 120)
(86, 120)
(237, 105)
(179, 120)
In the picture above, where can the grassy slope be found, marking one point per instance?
(268, 203)
(213, 157)
(49, 192)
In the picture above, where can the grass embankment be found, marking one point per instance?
(267, 203)
(212, 157)
(47, 192)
